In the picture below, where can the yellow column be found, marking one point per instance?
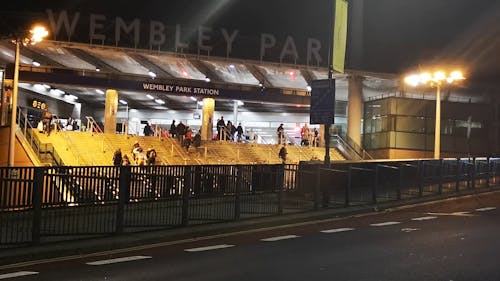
(110, 111)
(321, 140)
(6, 102)
(355, 108)
(207, 119)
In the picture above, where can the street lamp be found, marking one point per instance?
(436, 79)
(35, 35)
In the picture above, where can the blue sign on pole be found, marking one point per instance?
(322, 110)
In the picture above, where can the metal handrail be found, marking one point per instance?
(359, 150)
(27, 131)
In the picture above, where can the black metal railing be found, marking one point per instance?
(41, 202)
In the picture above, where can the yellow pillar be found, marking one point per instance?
(207, 119)
(355, 108)
(6, 102)
(110, 111)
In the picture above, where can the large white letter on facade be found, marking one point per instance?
(94, 25)
(266, 41)
(229, 39)
(202, 37)
(289, 48)
(63, 19)
(313, 49)
(178, 43)
(156, 33)
(121, 25)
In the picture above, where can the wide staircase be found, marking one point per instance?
(92, 148)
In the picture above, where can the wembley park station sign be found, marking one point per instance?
(155, 34)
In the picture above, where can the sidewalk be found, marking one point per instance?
(185, 234)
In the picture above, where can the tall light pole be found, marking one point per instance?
(36, 35)
(437, 79)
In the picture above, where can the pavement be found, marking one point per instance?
(86, 245)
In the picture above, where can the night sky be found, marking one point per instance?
(398, 33)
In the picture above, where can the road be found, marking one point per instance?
(446, 241)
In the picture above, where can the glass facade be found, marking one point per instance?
(403, 123)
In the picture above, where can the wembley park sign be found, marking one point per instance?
(157, 35)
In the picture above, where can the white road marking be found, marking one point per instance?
(385, 223)
(209, 248)
(278, 238)
(486, 209)
(118, 260)
(336, 230)
(424, 218)
(17, 274)
(457, 214)
(409, 229)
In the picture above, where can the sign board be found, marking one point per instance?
(39, 104)
(340, 35)
(322, 110)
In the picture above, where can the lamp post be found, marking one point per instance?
(36, 35)
(437, 79)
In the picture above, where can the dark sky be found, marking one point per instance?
(397, 33)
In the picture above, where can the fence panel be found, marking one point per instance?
(16, 208)
(64, 201)
(260, 189)
(79, 200)
(155, 196)
(212, 193)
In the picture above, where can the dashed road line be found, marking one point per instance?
(385, 223)
(118, 260)
(209, 248)
(424, 218)
(336, 230)
(278, 238)
(17, 274)
(455, 214)
(485, 209)
(409, 229)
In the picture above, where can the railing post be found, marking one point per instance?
(348, 187)
(473, 181)
(279, 184)
(400, 181)
(457, 175)
(421, 174)
(375, 184)
(37, 204)
(317, 188)
(123, 196)
(440, 176)
(186, 188)
(488, 172)
(237, 193)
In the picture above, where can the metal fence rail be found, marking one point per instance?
(41, 202)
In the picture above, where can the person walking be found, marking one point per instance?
(47, 121)
(239, 132)
(173, 129)
(221, 127)
(281, 133)
(282, 154)
(181, 131)
(117, 157)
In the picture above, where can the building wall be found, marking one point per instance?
(408, 124)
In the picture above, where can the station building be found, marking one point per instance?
(123, 89)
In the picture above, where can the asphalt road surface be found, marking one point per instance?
(446, 241)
